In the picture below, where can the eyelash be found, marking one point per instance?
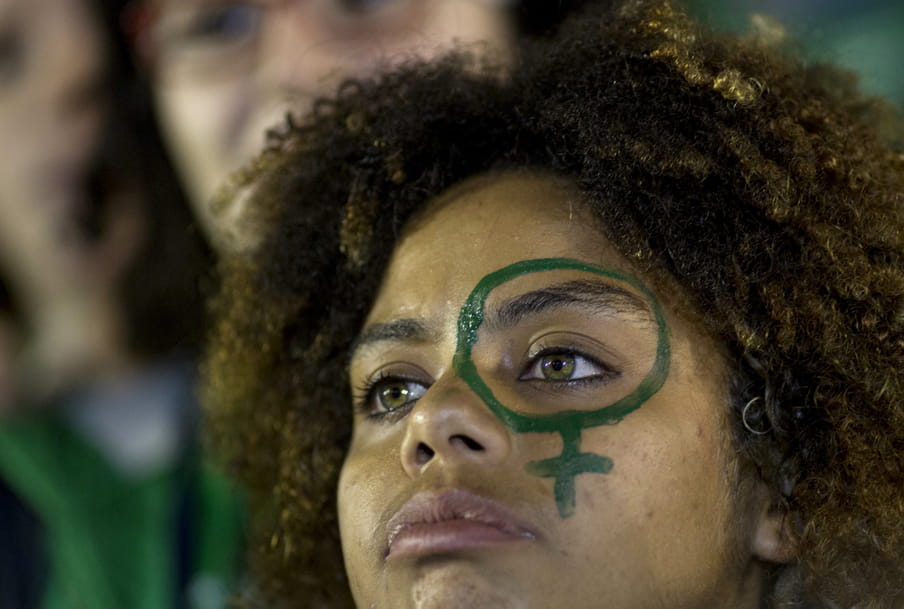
(367, 391)
(609, 372)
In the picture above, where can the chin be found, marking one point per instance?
(441, 584)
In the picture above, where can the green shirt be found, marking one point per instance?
(115, 541)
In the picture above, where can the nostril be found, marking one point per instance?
(471, 443)
(424, 453)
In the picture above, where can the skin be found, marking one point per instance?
(668, 526)
(569, 423)
(214, 117)
(52, 103)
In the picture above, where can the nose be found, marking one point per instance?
(451, 427)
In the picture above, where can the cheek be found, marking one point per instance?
(363, 495)
(351, 521)
(677, 463)
(202, 123)
(352, 488)
(198, 111)
(369, 480)
(668, 496)
(468, 21)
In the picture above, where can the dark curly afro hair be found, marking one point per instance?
(771, 191)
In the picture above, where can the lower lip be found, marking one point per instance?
(449, 536)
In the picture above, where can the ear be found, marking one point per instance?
(772, 538)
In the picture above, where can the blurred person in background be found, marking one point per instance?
(50, 116)
(105, 500)
(225, 71)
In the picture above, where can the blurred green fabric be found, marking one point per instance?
(113, 541)
(866, 36)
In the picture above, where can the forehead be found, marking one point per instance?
(480, 226)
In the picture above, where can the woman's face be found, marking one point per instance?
(52, 104)
(226, 70)
(536, 426)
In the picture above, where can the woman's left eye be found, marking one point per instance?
(563, 365)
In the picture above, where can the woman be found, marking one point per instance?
(622, 328)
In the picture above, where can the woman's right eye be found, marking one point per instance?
(389, 395)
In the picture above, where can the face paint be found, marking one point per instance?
(569, 423)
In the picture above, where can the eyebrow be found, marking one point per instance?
(397, 330)
(596, 296)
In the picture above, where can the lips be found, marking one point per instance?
(451, 521)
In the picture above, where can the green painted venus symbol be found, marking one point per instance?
(569, 423)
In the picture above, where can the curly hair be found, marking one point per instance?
(769, 190)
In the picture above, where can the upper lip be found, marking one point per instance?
(430, 507)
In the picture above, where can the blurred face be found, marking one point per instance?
(535, 425)
(51, 106)
(226, 70)
(62, 275)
